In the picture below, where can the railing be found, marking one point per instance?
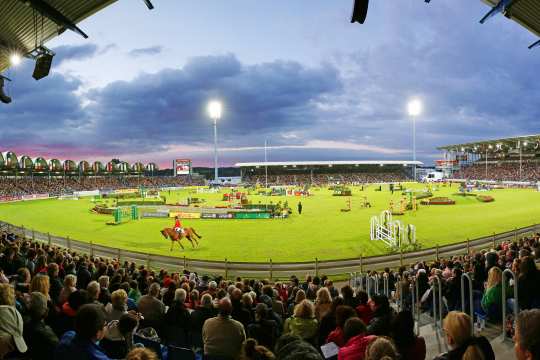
(471, 304)
(270, 268)
(516, 300)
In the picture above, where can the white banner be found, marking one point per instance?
(34, 197)
(86, 193)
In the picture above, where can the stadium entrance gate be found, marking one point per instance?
(125, 214)
(391, 232)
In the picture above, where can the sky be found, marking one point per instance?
(294, 73)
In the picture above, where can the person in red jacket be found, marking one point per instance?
(356, 339)
(178, 225)
(363, 310)
(343, 313)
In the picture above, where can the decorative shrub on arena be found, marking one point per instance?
(438, 201)
(485, 198)
(102, 209)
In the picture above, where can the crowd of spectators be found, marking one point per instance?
(58, 304)
(11, 186)
(328, 179)
(501, 171)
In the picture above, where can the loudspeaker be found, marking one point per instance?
(3, 97)
(360, 10)
(43, 66)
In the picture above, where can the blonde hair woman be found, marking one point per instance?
(322, 303)
(41, 283)
(118, 305)
(381, 348)
(458, 330)
(492, 299)
(303, 322)
(70, 283)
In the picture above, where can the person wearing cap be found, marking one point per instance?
(11, 323)
(222, 335)
(40, 337)
(83, 343)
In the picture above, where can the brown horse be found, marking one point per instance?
(189, 233)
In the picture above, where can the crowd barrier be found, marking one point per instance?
(271, 269)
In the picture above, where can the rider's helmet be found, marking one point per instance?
(176, 217)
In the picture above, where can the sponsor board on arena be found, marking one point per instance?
(34, 197)
(217, 216)
(126, 191)
(86, 193)
(9, 198)
(155, 215)
(185, 215)
(172, 188)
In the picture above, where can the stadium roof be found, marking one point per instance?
(327, 163)
(21, 22)
(524, 12)
(510, 142)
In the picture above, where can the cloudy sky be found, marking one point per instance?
(301, 76)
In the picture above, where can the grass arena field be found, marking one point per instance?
(322, 231)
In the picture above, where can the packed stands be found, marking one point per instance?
(501, 171)
(325, 179)
(10, 186)
(57, 304)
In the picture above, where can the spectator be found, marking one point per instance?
(223, 336)
(457, 327)
(264, 330)
(356, 340)
(380, 324)
(118, 339)
(92, 289)
(251, 350)
(90, 326)
(528, 280)
(104, 293)
(39, 337)
(240, 313)
(527, 337)
(303, 322)
(491, 301)
(83, 275)
(134, 292)
(151, 308)
(328, 322)
(11, 323)
(202, 313)
(363, 309)
(343, 313)
(409, 346)
(118, 305)
(292, 347)
(70, 285)
(348, 296)
(141, 354)
(381, 348)
(178, 320)
(322, 303)
(298, 298)
(56, 285)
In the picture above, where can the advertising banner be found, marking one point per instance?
(216, 216)
(34, 197)
(126, 191)
(185, 215)
(182, 167)
(9, 198)
(155, 215)
(86, 193)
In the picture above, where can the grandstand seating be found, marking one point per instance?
(330, 178)
(30, 266)
(501, 171)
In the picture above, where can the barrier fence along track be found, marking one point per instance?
(271, 268)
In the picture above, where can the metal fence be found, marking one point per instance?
(270, 269)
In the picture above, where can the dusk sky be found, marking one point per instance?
(296, 73)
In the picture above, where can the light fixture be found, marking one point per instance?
(15, 59)
(43, 57)
(3, 97)
(360, 9)
(414, 108)
(214, 109)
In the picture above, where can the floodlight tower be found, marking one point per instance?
(215, 110)
(414, 108)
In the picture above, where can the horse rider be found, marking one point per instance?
(178, 226)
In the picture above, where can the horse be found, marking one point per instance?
(189, 233)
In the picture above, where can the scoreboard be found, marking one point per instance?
(182, 167)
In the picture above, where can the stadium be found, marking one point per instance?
(424, 253)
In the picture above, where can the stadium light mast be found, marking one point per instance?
(215, 110)
(414, 108)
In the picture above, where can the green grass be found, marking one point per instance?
(321, 231)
